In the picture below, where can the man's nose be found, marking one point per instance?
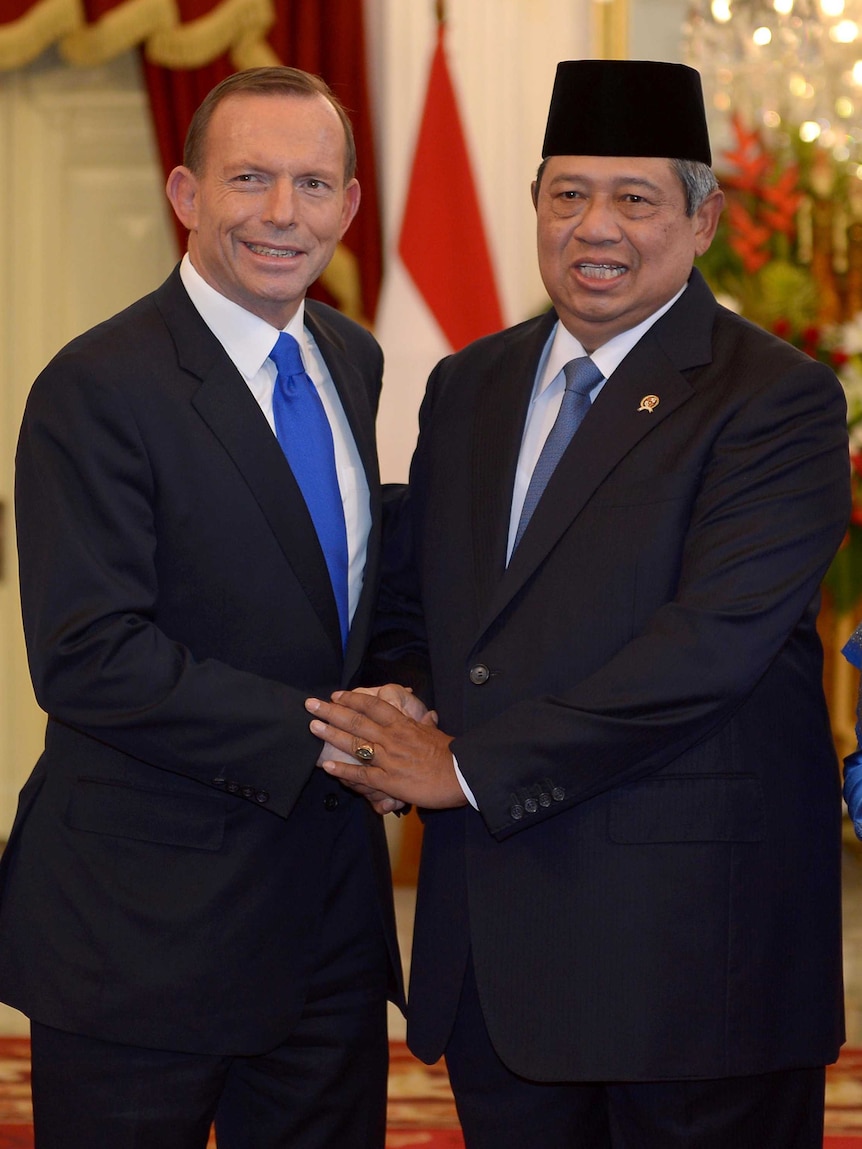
(598, 221)
(281, 204)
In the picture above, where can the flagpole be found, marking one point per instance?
(440, 9)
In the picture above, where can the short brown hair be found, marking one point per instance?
(278, 81)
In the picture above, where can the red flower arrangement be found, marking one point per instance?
(766, 199)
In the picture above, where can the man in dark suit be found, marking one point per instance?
(198, 922)
(633, 940)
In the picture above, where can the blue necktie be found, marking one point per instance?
(305, 437)
(581, 377)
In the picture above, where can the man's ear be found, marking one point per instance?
(182, 191)
(352, 196)
(707, 216)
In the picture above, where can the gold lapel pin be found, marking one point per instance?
(649, 403)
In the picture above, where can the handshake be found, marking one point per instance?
(385, 744)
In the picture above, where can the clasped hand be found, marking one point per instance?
(412, 762)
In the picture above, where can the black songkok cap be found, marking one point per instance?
(627, 108)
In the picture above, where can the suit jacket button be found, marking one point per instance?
(218, 781)
(247, 791)
(544, 799)
(531, 805)
(232, 787)
(330, 802)
(558, 793)
(479, 674)
(517, 812)
(262, 796)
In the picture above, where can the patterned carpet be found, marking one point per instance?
(421, 1110)
(844, 1102)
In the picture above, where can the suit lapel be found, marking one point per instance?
(500, 416)
(225, 403)
(617, 421)
(352, 389)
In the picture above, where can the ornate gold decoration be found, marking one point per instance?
(237, 27)
(24, 39)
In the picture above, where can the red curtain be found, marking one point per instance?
(14, 9)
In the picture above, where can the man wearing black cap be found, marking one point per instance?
(628, 924)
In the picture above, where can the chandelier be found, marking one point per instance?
(791, 68)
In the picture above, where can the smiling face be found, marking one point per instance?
(614, 241)
(270, 203)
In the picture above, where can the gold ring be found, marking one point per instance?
(365, 751)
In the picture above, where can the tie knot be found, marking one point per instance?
(286, 356)
(581, 375)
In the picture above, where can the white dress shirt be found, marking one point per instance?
(248, 340)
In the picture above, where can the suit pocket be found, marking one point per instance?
(164, 817)
(692, 808)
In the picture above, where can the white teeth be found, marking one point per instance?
(601, 270)
(259, 249)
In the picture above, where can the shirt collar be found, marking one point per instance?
(246, 338)
(564, 346)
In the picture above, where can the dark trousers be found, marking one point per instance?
(500, 1110)
(324, 1087)
(320, 1090)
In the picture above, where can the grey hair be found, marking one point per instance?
(698, 181)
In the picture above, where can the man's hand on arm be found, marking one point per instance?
(411, 758)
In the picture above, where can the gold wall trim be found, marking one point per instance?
(235, 26)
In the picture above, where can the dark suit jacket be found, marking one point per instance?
(651, 889)
(164, 880)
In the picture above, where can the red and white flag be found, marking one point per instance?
(442, 246)
(453, 272)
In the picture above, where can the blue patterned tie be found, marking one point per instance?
(305, 437)
(581, 377)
